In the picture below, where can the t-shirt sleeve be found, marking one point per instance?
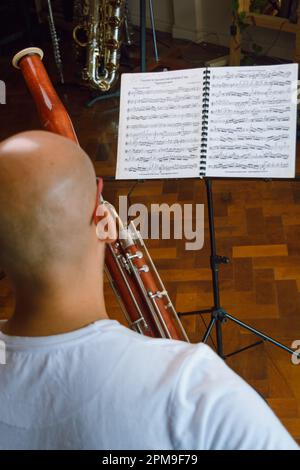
(214, 409)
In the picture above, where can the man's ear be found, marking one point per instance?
(106, 228)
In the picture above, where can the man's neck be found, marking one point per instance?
(56, 312)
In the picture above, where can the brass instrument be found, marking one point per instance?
(99, 32)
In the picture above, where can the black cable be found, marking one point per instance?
(276, 38)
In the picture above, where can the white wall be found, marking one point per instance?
(163, 13)
(201, 19)
(186, 19)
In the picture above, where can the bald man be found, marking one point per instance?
(74, 379)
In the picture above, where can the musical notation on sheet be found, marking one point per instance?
(231, 121)
(160, 125)
(252, 121)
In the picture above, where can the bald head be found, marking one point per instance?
(47, 199)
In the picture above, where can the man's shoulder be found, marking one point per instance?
(165, 356)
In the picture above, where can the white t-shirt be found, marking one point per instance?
(107, 387)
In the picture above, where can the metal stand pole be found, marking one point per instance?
(143, 51)
(153, 31)
(218, 314)
(215, 260)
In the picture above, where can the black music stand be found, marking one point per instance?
(217, 313)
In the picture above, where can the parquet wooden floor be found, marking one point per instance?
(257, 225)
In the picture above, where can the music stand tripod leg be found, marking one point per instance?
(258, 333)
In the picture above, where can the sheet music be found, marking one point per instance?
(160, 125)
(252, 121)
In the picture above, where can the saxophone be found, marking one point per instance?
(100, 32)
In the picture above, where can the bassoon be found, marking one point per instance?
(131, 271)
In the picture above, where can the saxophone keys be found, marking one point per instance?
(111, 67)
(115, 22)
(116, 3)
(112, 44)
